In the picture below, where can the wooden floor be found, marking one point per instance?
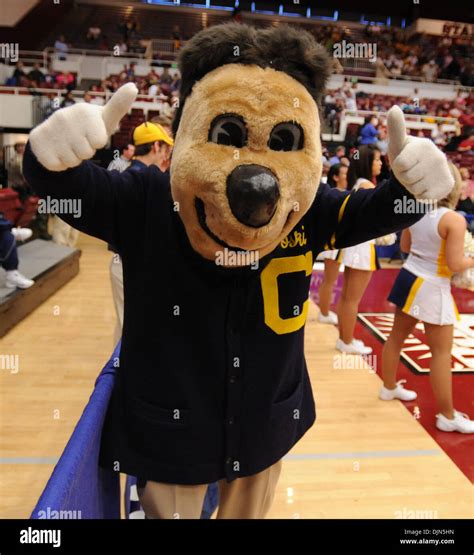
(363, 459)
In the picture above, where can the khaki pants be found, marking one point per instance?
(249, 497)
(63, 233)
(116, 278)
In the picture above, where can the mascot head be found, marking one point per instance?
(247, 158)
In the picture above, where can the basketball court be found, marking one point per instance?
(364, 458)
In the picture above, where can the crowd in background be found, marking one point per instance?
(420, 55)
(349, 99)
(337, 161)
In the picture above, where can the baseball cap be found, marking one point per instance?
(149, 133)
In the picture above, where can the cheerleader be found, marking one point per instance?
(361, 260)
(422, 292)
(337, 178)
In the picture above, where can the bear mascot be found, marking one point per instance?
(217, 259)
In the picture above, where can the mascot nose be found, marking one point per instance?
(253, 194)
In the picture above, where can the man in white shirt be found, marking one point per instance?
(124, 160)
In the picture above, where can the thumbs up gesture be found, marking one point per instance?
(73, 134)
(417, 163)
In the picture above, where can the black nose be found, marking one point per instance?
(253, 194)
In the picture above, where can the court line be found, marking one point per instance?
(364, 455)
(29, 460)
(291, 457)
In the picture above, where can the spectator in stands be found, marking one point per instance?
(439, 137)
(17, 180)
(122, 48)
(152, 146)
(382, 141)
(50, 77)
(350, 98)
(9, 253)
(61, 47)
(340, 153)
(122, 162)
(166, 79)
(36, 74)
(166, 108)
(154, 91)
(337, 177)
(130, 71)
(466, 200)
(123, 28)
(49, 105)
(369, 133)
(68, 100)
(3, 171)
(325, 172)
(70, 80)
(19, 74)
(94, 32)
(430, 71)
(466, 120)
(175, 83)
(176, 36)
(60, 80)
(152, 76)
(467, 144)
(87, 97)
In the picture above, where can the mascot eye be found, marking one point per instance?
(228, 130)
(286, 136)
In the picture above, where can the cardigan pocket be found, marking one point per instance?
(175, 418)
(289, 406)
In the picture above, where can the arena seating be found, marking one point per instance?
(151, 23)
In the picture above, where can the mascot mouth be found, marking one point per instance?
(201, 214)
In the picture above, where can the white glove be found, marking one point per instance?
(417, 163)
(73, 134)
(386, 240)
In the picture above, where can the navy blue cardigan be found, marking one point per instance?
(212, 381)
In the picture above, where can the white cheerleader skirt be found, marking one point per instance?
(361, 257)
(330, 255)
(424, 300)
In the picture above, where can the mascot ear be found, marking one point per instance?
(297, 53)
(230, 43)
(283, 48)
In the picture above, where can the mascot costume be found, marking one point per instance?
(217, 259)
